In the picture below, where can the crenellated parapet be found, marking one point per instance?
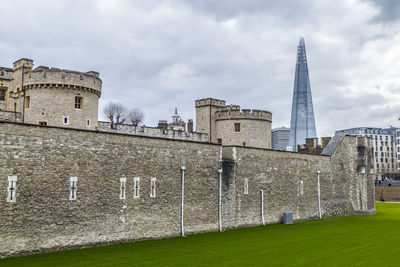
(45, 77)
(235, 113)
(210, 102)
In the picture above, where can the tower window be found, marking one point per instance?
(87, 123)
(65, 120)
(2, 95)
(153, 187)
(78, 102)
(301, 188)
(27, 102)
(219, 141)
(236, 127)
(246, 186)
(72, 188)
(11, 188)
(122, 188)
(136, 187)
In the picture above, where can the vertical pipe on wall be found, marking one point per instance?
(262, 207)
(220, 199)
(183, 168)
(319, 196)
(24, 92)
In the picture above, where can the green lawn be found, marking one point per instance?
(361, 241)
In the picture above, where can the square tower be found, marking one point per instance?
(205, 112)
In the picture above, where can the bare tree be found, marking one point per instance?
(135, 116)
(116, 113)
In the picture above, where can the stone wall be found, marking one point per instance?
(47, 95)
(53, 104)
(153, 132)
(43, 159)
(387, 193)
(253, 133)
(205, 116)
(43, 74)
(6, 76)
(10, 116)
(289, 182)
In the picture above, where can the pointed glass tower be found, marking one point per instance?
(302, 124)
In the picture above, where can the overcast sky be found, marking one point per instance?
(158, 55)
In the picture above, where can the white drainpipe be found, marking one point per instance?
(319, 196)
(220, 199)
(183, 168)
(262, 207)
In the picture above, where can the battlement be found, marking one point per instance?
(44, 76)
(23, 62)
(210, 102)
(6, 73)
(234, 112)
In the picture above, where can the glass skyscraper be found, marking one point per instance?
(302, 123)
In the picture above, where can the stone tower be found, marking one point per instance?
(50, 96)
(302, 124)
(21, 68)
(205, 112)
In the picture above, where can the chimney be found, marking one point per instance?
(311, 144)
(325, 141)
(190, 125)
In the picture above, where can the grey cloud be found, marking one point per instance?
(228, 8)
(158, 55)
(389, 10)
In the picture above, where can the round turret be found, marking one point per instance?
(61, 97)
(243, 127)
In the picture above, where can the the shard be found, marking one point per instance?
(302, 124)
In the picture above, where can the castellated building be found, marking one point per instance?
(230, 125)
(69, 181)
(50, 96)
(65, 98)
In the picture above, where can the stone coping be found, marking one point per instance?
(105, 132)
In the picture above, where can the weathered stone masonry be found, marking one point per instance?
(44, 158)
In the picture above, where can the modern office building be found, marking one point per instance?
(280, 138)
(302, 124)
(385, 149)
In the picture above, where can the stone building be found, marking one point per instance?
(67, 188)
(50, 96)
(383, 141)
(176, 129)
(90, 184)
(65, 98)
(231, 125)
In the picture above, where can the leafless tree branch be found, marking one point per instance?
(116, 113)
(135, 116)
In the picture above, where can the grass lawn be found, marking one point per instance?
(360, 241)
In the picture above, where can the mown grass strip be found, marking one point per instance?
(344, 241)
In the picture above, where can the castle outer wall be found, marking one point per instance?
(43, 158)
(153, 132)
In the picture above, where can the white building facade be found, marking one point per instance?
(385, 148)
